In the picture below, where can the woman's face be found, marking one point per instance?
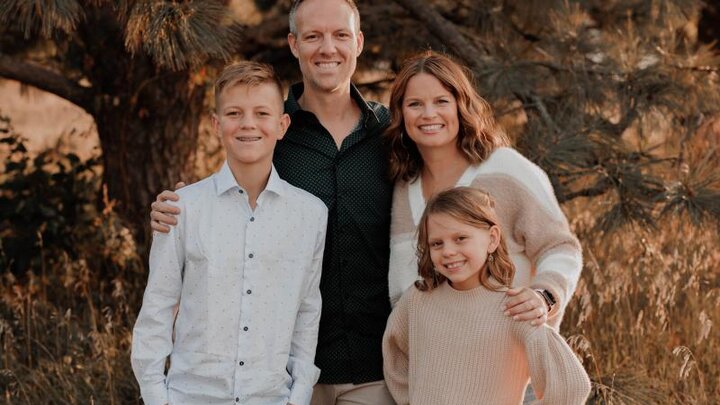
(430, 113)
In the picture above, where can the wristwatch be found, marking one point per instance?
(548, 297)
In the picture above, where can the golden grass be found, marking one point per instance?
(644, 318)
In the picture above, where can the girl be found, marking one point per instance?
(447, 340)
(443, 135)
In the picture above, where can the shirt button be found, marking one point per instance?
(237, 399)
(249, 292)
(240, 191)
(242, 363)
(251, 255)
(245, 329)
(252, 219)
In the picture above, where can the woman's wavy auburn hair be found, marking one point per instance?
(475, 208)
(478, 134)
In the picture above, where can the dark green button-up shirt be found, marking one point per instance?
(353, 183)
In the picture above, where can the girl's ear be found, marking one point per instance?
(494, 239)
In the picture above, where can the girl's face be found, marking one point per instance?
(430, 113)
(459, 250)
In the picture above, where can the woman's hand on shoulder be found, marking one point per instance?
(525, 304)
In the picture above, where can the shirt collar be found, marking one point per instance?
(292, 106)
(224, 181)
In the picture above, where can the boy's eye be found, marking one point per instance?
(263, 113)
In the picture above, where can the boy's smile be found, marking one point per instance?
(250, 121)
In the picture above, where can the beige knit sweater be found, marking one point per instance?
(448, 347)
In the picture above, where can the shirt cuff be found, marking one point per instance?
(300, 394)
(155, 395)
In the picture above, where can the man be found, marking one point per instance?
(333, 149)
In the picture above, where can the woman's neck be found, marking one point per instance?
(441, 170)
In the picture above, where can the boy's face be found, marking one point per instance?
(327, 43)
(250, 120)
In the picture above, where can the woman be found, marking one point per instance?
(443, 135)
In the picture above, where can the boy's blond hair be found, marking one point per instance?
(247, 73)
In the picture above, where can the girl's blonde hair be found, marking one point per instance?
(475, 208)
(478, 135)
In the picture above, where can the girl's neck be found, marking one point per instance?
(441, 170)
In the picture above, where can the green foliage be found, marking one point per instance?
(43, 199)
(69, 302)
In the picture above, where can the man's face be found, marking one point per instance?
(250, 120)
(327, 44)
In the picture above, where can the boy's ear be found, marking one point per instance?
(215, 123)
(292, 41)
(284, 125)
(494, 239)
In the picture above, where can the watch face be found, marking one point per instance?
(549, 297)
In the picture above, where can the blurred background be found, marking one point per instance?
(103, 104)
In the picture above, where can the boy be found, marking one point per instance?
(243, 264)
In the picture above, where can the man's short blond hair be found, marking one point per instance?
(246, 73)
(296, 4)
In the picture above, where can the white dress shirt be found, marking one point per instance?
(247, 285)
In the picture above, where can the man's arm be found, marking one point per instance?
(304, 341)
(152, 335)
(162, 214)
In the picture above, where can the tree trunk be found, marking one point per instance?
(149, 144)
(147, 120)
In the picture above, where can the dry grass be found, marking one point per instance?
(644, 319)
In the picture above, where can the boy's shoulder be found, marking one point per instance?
(305, 199)
(196, 191)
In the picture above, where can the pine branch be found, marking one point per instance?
(45, 79)
(447, 32)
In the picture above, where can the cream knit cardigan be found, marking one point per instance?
(545, 252)
(449, 347)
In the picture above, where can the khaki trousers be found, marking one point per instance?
(372, 393)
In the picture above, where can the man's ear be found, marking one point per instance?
(292, 41)
(360, 42)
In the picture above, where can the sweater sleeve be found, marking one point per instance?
(557, 376)
(526, 200)
(395, 351)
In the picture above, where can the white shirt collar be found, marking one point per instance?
(224, 181)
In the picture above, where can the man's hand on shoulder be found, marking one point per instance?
(163, 214)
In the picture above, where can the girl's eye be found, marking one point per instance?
(435, 244)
